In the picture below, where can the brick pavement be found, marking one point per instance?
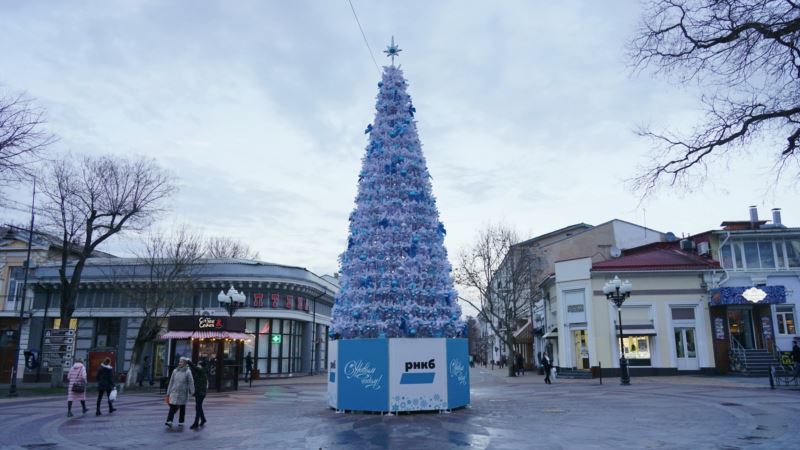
(516, 413)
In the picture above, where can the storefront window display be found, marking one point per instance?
(279, 346)
(637, 350)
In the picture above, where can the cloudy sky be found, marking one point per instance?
(526, 112)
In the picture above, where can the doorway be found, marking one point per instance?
(686, 348)
(580, 339)
(740, 325)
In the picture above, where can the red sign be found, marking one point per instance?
(289, 301)
(258, 300)
(275, 299)
(95, 359)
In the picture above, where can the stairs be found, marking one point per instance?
(574, 374)
(758, 362)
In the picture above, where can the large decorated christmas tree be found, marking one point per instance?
(395, 275)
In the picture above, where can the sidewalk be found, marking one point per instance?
(735, 381)
(33, 390)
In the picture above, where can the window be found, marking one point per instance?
(106, 333)
(793, 253)
(785, 316)
(637, 350)
(726, 255)
(15, 276)
(73, 324)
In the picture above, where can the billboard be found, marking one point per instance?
(417, 374)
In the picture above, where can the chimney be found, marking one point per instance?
(776, 217)
(753, 217)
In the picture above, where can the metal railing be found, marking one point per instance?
(738, 356)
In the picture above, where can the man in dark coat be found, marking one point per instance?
(200, 389)
(796, 357)
(105, 383)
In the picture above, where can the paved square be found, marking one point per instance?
(658, 412)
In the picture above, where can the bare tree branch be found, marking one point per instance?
(22, 138)
(746, 53)
(89, 199)
(225, 247)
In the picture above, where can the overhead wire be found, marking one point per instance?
(364, 35)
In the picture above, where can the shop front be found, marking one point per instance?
(741, 320)
(219, 341)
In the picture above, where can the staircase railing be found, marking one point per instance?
(738, 356)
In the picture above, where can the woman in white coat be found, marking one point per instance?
(181, 387)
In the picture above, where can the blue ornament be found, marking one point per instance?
(369, 129)
(411, 110)
(412, 331)
(356, 314)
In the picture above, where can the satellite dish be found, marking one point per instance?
(615, 251)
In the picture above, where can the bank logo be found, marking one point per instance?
(419, 377)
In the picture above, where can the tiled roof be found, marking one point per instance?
(658, 257)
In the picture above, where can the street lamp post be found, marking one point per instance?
(618, 291)
(231, 300)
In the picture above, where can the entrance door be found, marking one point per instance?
(686, 348)
(740, 324)
(580, 339)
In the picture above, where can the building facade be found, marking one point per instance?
(287, 312)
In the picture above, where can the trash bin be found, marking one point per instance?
(254, 374)
(595, 371)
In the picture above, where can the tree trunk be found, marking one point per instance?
(133, 370)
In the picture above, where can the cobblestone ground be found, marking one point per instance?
(518, 413)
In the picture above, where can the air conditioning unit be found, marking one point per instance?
(702, 248)
(207, 312)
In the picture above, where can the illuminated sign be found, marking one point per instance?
(276, 338)
(754, 295)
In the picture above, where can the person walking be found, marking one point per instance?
(146, 373)
(76, 389)
(248, 366)
(520, 365)
(796, 357)
(105, 383)
(546, 365)
(181, 386)
(200, 389)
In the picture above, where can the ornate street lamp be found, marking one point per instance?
(618, 291)
(231, 300)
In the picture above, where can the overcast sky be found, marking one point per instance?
(526, 112)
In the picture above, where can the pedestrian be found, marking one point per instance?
(546, 365)
(76, 390)
(248, 366)
(796, 357)
(520, 365)
(181, 386)
(105, 384)
(492, 363)
(200, 389)
(146, 373)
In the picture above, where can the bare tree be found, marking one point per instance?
(171, 263)
(90, 199)
(746, 54)
(22, 138)
(502, 275)
(225, 247)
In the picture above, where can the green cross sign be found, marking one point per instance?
(276, 338)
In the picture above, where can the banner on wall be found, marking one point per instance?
(333, 353)
(418, 375)
(457, 373)
(363, 375)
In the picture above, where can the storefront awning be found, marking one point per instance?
(644, 329)
(553, 334)
(176, 335)
(524, 331)
(204, 335)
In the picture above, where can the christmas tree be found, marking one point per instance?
(395, 275)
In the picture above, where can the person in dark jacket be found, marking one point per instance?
(796, 357)
(546, 365)
(248, 366)
(105, 383)
(200, 389)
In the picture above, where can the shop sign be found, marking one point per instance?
(276, 338)
(205, 323)
(289, 302)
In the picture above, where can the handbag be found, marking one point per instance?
(113, 395)
(79, 387)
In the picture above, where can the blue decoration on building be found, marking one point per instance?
(733, 295)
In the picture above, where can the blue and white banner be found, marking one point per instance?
(457, 373)
(333, 387)
(418, 375)
(362, 375)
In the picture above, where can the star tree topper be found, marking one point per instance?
(392, 50)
